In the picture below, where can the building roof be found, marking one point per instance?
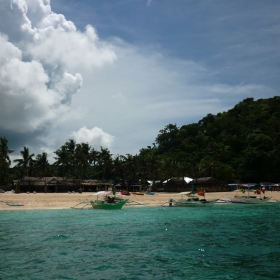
(186, 179)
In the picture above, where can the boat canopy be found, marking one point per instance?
(186, 193)
(102, 192)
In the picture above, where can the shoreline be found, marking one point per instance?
(61, 201)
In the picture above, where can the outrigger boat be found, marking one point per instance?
(125, 192)
(108, 201)
(250, 199)
(193, 200)
(137, 193)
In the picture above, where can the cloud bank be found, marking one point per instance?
(40, 54)
(58, 82)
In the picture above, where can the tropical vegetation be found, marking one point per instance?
(241, 144)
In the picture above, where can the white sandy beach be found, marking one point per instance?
(67, 201)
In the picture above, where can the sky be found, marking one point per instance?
(113, 73)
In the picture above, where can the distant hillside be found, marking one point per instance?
(242, 143)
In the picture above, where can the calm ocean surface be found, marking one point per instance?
(220, 242)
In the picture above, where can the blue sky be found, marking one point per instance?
(234, 38)
(113, 73)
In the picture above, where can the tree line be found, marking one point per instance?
(242, 144)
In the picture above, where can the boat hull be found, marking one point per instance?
(125, 193)
(250, 200)
(186, 203)
(150, 193)
(98, 204)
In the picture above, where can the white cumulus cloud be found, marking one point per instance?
(41, 53)
(96, 137)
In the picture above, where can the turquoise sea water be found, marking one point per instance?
(220, 242)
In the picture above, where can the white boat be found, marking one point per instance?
(193, 200)
(250, 199)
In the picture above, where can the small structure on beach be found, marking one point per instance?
(46, 184)
(181, 184)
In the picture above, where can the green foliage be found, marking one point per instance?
(5, 161)
(42, 165)
(26, 162)
(240, 144)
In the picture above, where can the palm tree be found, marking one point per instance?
(5, 161)
(152, 165)
(26, 161)
(93, 159)
(82, 158)
(118, 167)
(105, 161)
(150, 162)
(129, 163)
(71, 147)
(63, 160)
(4, 149)
(42, 164)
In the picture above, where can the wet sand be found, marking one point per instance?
(24, 201)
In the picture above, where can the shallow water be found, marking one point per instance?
(220, 242)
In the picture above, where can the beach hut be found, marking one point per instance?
(177, 184)
(208, 184)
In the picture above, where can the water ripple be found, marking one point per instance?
(141, 243)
